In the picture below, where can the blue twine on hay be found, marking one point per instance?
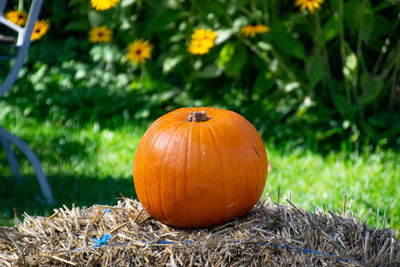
(307, 250)
(264, 244)
(107, 210)
(172, 242)
(98, 242)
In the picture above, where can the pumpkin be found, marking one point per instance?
(199, 167)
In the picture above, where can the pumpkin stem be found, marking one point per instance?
(198, 116)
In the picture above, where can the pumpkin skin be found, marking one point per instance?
(191, 174)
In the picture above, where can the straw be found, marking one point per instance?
(125, 235)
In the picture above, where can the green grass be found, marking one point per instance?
(368, 181)
(90, 164)
(84, 164)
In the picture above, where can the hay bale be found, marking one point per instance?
(125, 235)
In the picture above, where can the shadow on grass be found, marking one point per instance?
(67, 189)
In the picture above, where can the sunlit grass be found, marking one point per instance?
(92, 164)
(84, 164)
(369, 182)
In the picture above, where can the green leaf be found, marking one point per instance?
(377, 121)
(369, 130)
(350, 65)
(209, 72)
(314, 70)
(223, 35)
(95, 18)
(170, 63)
(384, 5)
(378, 33)
(304, 106)
(264, 46)
(218, 8)
(160, 22)
(353, 14)
(74, 3)
(258, 63)
(369, 25)
(263, 84)
(288, 44)
(239, 23)
(178, 37)
(331, 29)
(341, 105)
(226, 54)
(372, 87)
(234, 67)
(78, 26)
(126, 3)
(335, 4)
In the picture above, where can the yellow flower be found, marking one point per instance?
(311, 5)
(100, 34)
(41, 28)
(139, 51)
(103, 4)
(201, 35)
(17, 17)
(248, 30)
(260, 29)
(201, 42)
(197, 47)
(252, 30)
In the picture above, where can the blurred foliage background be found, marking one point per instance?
(327, 79)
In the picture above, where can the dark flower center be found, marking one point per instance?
(138, 52)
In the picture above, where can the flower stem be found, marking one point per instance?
(322, 50)
(21, 5)
(343, 51)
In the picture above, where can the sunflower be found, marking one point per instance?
(201, 42)
(103, 4)
(41, 28)
(101, 34)
(17, 17)
(139, 51)
(311, 5)
(251, 30)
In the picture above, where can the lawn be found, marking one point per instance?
(90, 163)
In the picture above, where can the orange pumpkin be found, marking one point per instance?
(199, 167)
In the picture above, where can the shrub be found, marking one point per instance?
(315, 75)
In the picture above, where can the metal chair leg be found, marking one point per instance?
(12, 160)
(23, 41)
(7, 137)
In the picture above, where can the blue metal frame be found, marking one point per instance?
(7, 138)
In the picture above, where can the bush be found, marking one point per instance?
(316, 77)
